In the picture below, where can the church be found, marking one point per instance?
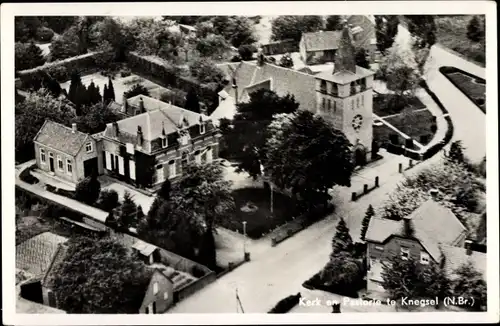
(342, 95)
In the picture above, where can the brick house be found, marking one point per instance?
(437, 233)
(66, 152)
(147, 148)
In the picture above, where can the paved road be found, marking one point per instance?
(276, 272)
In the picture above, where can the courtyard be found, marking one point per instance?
(120, 84)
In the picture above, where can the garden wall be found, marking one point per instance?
(181, 263)
(189, 289)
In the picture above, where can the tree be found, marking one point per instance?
(423, 29)
(470, 284)
(75, 82)
(334, 23)
(342, 241)
(87, 190)
(239, 31)
(108, 200)
(409, 278)
(110, 31)
(386, 28)
(247, 136)
(58, 23)
(139, 214)
(475, 32)
(44, 34)
(309, 157)
(207, 255)
(192, 101)
(361, 60)
(343, 274)
(111, 89)
(128, 211)
(26, 28)
(246, 52)
(100, 276)
(137, 89)
(31, 114)
(94, 118)
(93, 94)
(65, 45)
(28, 56)
(106, 98)
(292, 27)
(456, 152)
(212, 46)
(165, 190)
(286, 61)
(366, 221)
(206, 72)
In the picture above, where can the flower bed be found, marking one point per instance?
(471, 86)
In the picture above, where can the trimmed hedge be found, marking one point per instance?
(449, 70)
(27, 177)
(286, 304)
(433, 95)
(315, 283)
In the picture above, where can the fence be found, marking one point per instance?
(366, 189)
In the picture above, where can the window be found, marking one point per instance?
(184, 139)
(155, 287)
(329, 105)
(137, 111)
(209, 154)
(164, 142)
(42, 156)
(405, 253)
(202, 128)
(165, 295)
(334, 106)
(323, 103)
(69, 167)
(357, 102)
(424, 258)
(130, 148)
(171, 169)
(362, 100)
(88, 147)
(60, 164)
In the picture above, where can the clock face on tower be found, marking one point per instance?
(357, 122)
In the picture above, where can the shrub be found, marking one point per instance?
(125, 72)
(27, 177)
(246, 51)
(394, 138)
(108, 200)
(59, 73)
(286, 304)
(409, 143)
(44, 34)
(236, 58)
(87, 190)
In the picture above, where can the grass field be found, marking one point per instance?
(384, 105)
(260, 220)
(471, 87)
(414, 124)
(121, 84)
(452, 33)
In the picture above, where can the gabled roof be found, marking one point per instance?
(35, 255)
(322, 40)
(264, 84)
(61, 138)
(434, 226)
(226, 109)
(284, 81)
(455, 257)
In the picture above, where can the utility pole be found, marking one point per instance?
(244, 237)
(272, 201)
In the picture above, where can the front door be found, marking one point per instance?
(51, 162)
(90, 167)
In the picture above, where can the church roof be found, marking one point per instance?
(344, 76)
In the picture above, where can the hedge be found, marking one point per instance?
(286, 304)
(448, 70)
(27, 177)
(433, 95)
(316, 283)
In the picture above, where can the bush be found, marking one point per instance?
(286, 304)
(246, 51)
(65, 193)
(27, 177)
(44, 34)
(125, 72)
(59, 73)
(87, 190)
(108, 200)
(409, 143)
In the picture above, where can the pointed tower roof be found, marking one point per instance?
(345, 56)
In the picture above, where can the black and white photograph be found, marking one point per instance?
(289, 159)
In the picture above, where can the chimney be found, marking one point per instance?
(434, 193)
(141, 104)
(468, 247)
(235, 87)
(114, 127)
(73, 127)
(408, 227)
(260, 58)
(139, 136)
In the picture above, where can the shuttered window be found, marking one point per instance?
(132, 169)
(121, 168)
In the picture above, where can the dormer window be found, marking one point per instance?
(164, 142)
(88, 147)
(202, 128)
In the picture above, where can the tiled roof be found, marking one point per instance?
(322, 40)
(264, 84)
(344, 77)
(35, 255)
(61, 138)
(438, 222)
(284, 81)
(457, 256)
(50, 275)
(144, 248)
(226, 109)
(434, 226)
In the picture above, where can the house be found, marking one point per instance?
(66, 152)
(437, 233)
(320, 47)
(148, 148)
(158, 292)
(342, 94)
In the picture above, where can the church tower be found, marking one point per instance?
(344, 97)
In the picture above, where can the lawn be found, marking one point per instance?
(259, 219)
(387, 104)
(120, 84)
(473, 87)
(452, 33)
(416, 124)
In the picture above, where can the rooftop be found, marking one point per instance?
(35, 255)
(61, 138)
(344, 76)
(322, 40)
